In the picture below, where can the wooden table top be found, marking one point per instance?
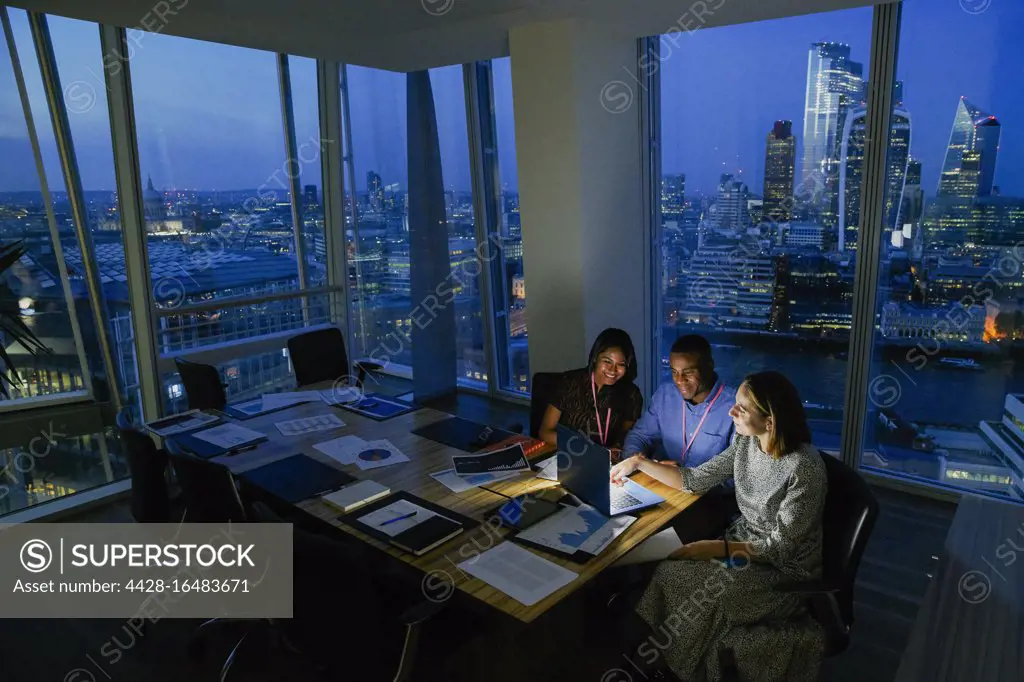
(439, 566)
(971, 623)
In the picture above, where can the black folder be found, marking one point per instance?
(418, 543)
(297, 478)
(463, 434)
(207, 450)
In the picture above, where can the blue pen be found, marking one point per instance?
(400, 518)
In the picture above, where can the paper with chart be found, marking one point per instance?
(518, 572)
(573, 529)
(321, 422)
(343, 450)
(379, 453)
(460, 484)
(506, 459)
(229, 435)
(377, 519)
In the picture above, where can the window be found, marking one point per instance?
(450, 111)
(304, 96)
(510, 292)
(945, 375)
(35, 284)
(751, 250)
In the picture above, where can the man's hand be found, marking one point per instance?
(624, 468)
(702, 550)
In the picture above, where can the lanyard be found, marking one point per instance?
(603, 435)
(686, 448)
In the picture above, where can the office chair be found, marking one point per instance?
(320, 355)
(542, 389)
(849, 517)
(147, 464)
(203, 385)
(331, 578)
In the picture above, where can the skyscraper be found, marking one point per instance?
(779, 168)
(374, 191)
(673, 194)
(731, 207)
(851, 155)
(834, 84)
(309, 195)
(970, 164)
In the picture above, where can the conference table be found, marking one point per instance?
(441, 576)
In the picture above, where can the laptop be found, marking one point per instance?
(583, 470)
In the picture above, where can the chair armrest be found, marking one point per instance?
(806, 587)
(421, 612)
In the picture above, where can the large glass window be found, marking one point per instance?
(753, 256)
(946, 381)
(510, 297)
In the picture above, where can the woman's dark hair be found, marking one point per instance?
(776, 397)
(615, 338)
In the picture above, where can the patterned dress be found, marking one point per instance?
(696, 608)
(621, 403)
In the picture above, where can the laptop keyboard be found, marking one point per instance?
(620, 499)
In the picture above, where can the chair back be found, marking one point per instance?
(208, 488)
(318, 356)
(542, 390)
(147, 465)
(203, 385)
(849, 517)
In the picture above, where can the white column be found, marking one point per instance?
(579, 151)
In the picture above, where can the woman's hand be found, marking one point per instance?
(702, 550)
(624, 468)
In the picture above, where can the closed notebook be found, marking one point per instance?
(427, 535)
(356, 495)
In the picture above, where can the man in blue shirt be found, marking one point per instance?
(686, 423)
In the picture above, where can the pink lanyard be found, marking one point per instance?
(696, 431)
(603, 435)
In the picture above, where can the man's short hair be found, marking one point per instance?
(695, 344)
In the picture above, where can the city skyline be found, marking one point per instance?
(195, 107)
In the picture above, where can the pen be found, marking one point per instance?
(400, 518)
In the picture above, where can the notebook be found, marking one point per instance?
(356, 495)
(297, 478)
(427, 535)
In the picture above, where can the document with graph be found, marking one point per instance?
(511, 458)
(575, 529)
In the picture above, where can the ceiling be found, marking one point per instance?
(406, 35)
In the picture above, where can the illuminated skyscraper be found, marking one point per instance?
(834, 85)
(851, 170)
(779, 167)
(970, 164)
(374, 191)
(731, 211)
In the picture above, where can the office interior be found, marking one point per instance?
(832, 189)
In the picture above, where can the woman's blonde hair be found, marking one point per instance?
(777, 399)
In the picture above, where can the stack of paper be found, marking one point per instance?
(518, 572)
(343, 450)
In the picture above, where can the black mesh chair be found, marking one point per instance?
(147, 464)
(334, 578)
(203, 385)
(849, 517)
(542, 389)
(320, 355)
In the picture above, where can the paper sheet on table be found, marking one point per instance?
(548, 469)
(518, 572)
(397, 508)
(379, 453)
(460, 484)
(250, 407)
(228, 435)
(577, 528)
(321, 422)
(343, 450)
(272, 401)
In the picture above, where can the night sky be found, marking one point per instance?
(209, 117)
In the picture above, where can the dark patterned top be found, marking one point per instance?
(575, 401)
